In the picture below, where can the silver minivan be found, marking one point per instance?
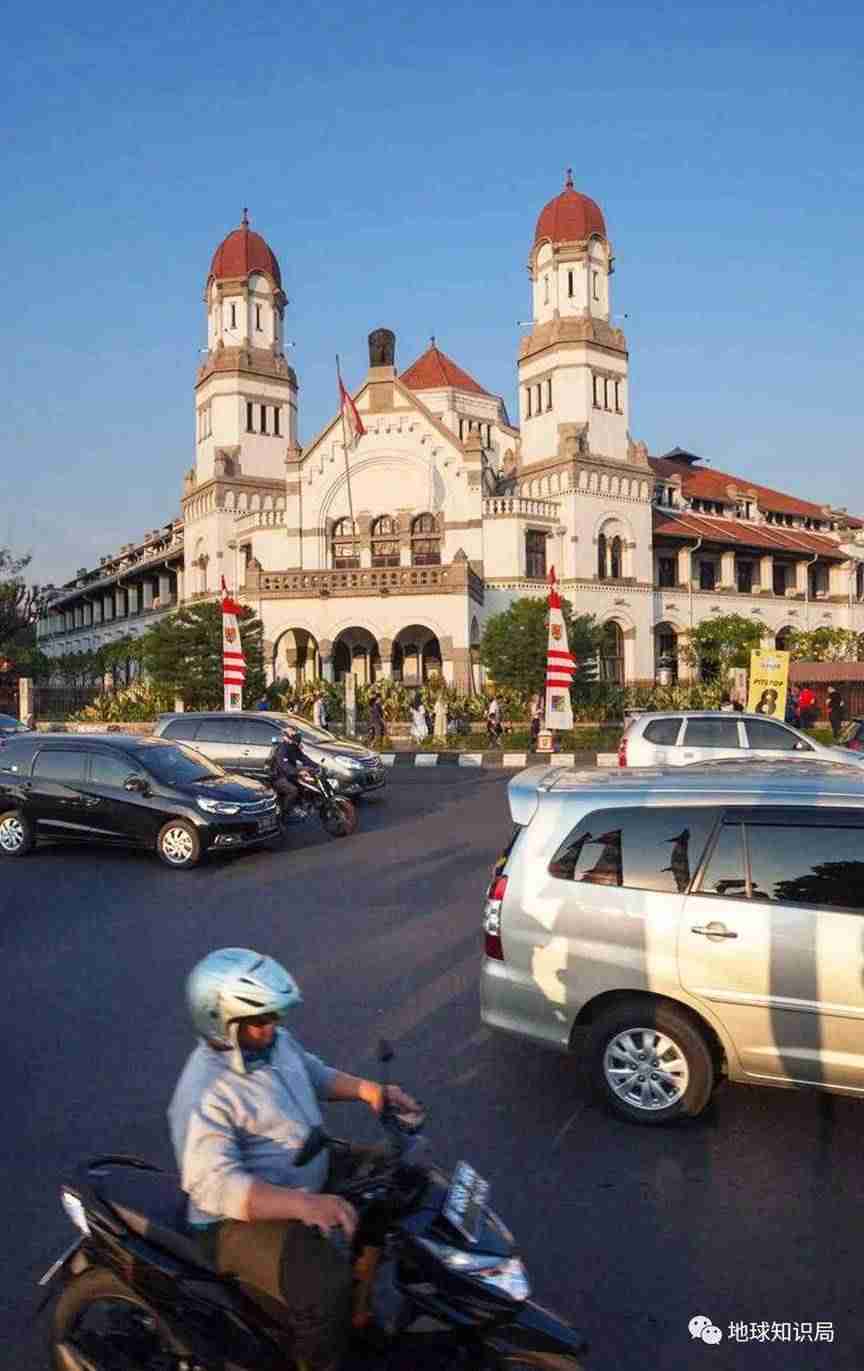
(682, 738)
(683, 926)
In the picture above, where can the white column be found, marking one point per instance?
(801, 570)
(685, 566)
(727, 569)
(108, 608)
(164, 588)
(147, 594)
(766, 573)
(132, 600)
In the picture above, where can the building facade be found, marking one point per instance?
(386, 556)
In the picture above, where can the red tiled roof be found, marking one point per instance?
(733, 531)
(704, 484)
(434, 370)
(243, 252)
(569, 218)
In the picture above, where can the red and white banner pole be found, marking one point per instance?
(233, 660)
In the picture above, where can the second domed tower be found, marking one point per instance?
(246, 393)
(573, 364)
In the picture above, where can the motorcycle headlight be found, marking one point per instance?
(505, 1274)
(75, 1209)
(217, 806)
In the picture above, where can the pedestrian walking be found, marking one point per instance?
(536, 720)
(419, 726)
(493, 720)
(441, 717)
(376, 718)
(806, 707)
(793, 714)
(836, 711)
(319, 712)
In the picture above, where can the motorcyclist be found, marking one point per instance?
(285, 761)
(245, 1106)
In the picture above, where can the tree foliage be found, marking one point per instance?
(20, 604)
(717, 645)
(514, 645)
(182, 655)
(825, 645)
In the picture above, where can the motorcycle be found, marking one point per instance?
(338, 815)
(436, 1274)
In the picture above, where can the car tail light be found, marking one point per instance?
(492, 918)
(622, 750)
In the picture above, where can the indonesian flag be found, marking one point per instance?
(350, 415)
(560, 665)
(233, 661)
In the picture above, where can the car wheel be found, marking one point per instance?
(650, 1062)
(178, 844)
(17, 834)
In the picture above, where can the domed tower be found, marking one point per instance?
(246, 393)
(573, 364)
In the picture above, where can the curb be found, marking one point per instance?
(507, 760)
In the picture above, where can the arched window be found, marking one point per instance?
(783, 641)
(385, 542)
(345, 547)
(601, 557)
(616, 560)
(612, 654)
(425, 541)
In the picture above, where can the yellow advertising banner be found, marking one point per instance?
(769, 682)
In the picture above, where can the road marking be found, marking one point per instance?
(562, 759)
(388, 758)
(607, 759)
(514, 759)
(470, 758)
(426, 759)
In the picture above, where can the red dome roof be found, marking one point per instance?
(243, 252)
(570, 217)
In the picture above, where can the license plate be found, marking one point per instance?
(264, 825)
(466, 1200)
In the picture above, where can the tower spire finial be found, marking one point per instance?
(244, 222)
(568, 183)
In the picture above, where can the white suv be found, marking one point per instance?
(684, 738)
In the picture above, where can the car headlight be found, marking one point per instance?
(506, 1274)
(347, 764)
(217, 807)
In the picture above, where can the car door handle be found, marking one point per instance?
(713, 931)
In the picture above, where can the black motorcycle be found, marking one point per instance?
(337, 813)
(437, 1276)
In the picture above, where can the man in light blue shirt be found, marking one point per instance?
(246, 1127)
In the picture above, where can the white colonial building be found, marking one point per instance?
(387, 556)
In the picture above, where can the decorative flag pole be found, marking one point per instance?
(560, 669)
(352, 425)
(233, 661)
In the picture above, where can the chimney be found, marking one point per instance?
(382, 369)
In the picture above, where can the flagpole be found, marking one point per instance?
(345, 450)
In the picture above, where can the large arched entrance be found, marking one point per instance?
(296, 658)
(356, 649)
(416, 655)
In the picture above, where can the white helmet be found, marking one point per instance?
(232, 984)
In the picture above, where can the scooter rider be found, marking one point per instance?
(245, 1123)
(285, 761)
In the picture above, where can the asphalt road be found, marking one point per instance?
(753, 1214)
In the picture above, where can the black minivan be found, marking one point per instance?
(117, 788)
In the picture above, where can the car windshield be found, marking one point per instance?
(177, 765)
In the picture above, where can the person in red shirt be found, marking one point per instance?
(806, 707)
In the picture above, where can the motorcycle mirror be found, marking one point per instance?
(385, 1051)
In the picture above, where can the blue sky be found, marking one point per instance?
(396, 160)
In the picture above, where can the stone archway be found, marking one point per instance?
(296, 658)
(356, 649)
(416, 655)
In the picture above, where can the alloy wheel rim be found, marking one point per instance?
(11, 833)
(177, 845)
(646, 1069)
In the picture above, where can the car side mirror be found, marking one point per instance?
(137, 785)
